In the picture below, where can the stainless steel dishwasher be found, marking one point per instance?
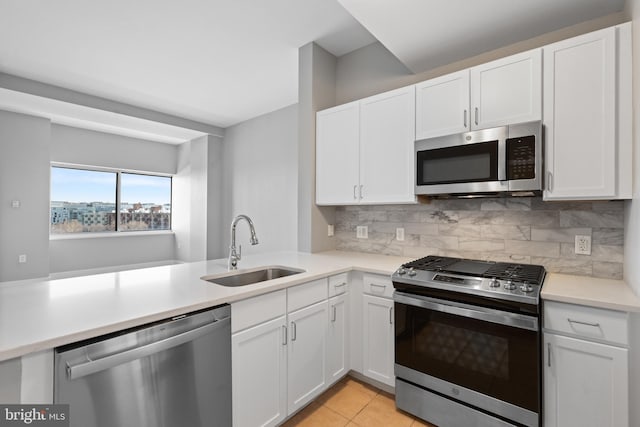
(173, 373)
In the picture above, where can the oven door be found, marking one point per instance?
(485, 358)
(471, 162)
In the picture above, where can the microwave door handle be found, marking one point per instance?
(502, 159)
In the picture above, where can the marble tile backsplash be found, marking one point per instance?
(513, 229)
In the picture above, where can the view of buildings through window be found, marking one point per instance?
(87, 201)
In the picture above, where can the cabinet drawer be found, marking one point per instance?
(252, 311)
(306, 294)
(338, 284)
(587, 322)
(377, 285)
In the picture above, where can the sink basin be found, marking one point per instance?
(249, 277)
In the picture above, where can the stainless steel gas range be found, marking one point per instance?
(467, 341)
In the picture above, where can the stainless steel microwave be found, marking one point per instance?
(505, 160)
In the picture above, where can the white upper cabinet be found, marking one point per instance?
(442, 105)
(507, 91)
(387, 135)
(337, 154)
(587, 116)
(364, 150)
(498, 93)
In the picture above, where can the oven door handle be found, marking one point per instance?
(515, 320)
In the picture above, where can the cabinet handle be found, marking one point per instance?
(391, 315)
(333, 316)
(465, 119)
(361, 196)
(549, 354)
(284, 334)
(293, 331)
(340, 285)
(354, 192)
(476, 115)
(550, 181)
(595, 325)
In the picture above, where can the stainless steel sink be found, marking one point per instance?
(249, 277)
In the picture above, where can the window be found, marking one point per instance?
(86, 201)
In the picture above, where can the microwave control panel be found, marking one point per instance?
(521, 158)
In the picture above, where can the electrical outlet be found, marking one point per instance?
(362, 232)
(22, 258)
(583, 245)
(330, 230)
(400, 234)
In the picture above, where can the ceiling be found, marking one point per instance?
(425, 34)
(221, 62)
(214, 61)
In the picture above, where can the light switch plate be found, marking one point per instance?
(400, 234)
(330, 230)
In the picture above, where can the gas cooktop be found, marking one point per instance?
(497, 280)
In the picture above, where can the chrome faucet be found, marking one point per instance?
(236, 254)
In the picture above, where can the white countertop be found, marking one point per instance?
(590, 291)
(41, 314)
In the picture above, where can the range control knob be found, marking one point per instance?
(402, 271)
(509, 285)
(526, 287)
(494, 283)
(411, 272)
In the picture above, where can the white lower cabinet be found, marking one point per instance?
(306, 355)
(287, 347)
(378, 339)
(338, 338)
(585, 382)
(259, 374)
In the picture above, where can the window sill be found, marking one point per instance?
(116, 234)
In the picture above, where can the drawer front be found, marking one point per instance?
(306, 294)
(338, 284)
(586, 322)
(256, 310)
(377, 285)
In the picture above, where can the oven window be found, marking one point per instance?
(462, 163)
(496, 360)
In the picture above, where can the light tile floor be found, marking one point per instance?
(353, 403)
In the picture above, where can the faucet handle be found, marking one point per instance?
(239, 253)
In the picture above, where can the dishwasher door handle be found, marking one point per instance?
(104, 363)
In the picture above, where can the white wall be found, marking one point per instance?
(316, 91)
(90, 148)
(24, 176)
(86, 147)
(189, 201)
(261, 180)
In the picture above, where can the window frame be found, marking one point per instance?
(118, 231)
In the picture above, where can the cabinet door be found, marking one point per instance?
(337, 138)
(338, 338)
(442, 105)
(585, 383)
(580, 117)
(259, 356)
(306, 355)
(378, 345)
(387, 136)
(507, 91)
